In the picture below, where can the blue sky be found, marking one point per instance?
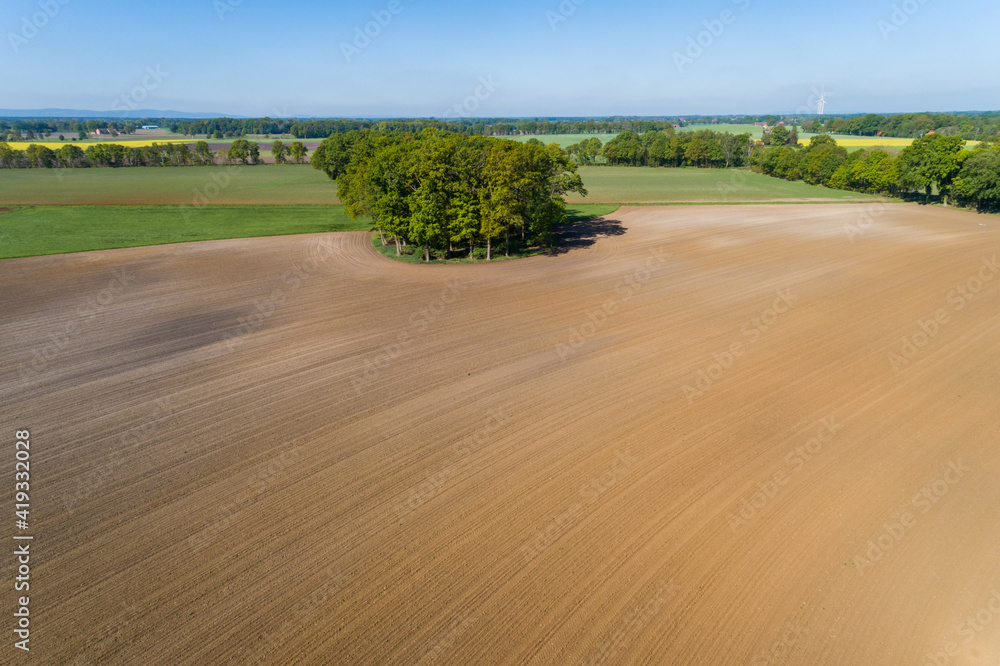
(540, 57)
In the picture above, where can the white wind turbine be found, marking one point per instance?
(821, 104)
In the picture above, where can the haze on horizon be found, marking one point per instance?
(529, 58)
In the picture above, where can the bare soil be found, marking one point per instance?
(681, 440)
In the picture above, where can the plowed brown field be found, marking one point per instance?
(695, 437)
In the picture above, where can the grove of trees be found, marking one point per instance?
(665, 148)
(441, 191)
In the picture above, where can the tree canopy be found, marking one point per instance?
(437, 189)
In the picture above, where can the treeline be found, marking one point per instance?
(971, 127)
(441, 190)
(110, 154)
(478, 126)
(220, 128)
(665, 148)
(933, 163)
(21, 130)
(16, 130)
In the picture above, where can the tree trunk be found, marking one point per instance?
(471, 246)
(382, 236)
(399, 250)
(489, 248)
(427, 251)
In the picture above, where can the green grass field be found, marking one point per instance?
(675, 186)
(752, 130)
(149, 206)
(562, 139)
(261, 184)
(34, 230)
(756, 132)
(270, 184)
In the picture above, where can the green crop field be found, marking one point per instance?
(650, 185)
(261, 184)
(752, 130)
(35, 230)
(755, 131)
(301, 184)
(70, 210)
(27, 231)
(562, 139)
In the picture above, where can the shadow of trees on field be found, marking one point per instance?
(918, 198)
(584, 233)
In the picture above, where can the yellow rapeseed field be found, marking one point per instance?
(131, 143)
(868, 141)
(874, 141)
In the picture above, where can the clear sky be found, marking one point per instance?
(539, 57)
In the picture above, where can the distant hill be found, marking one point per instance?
(114, 115)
